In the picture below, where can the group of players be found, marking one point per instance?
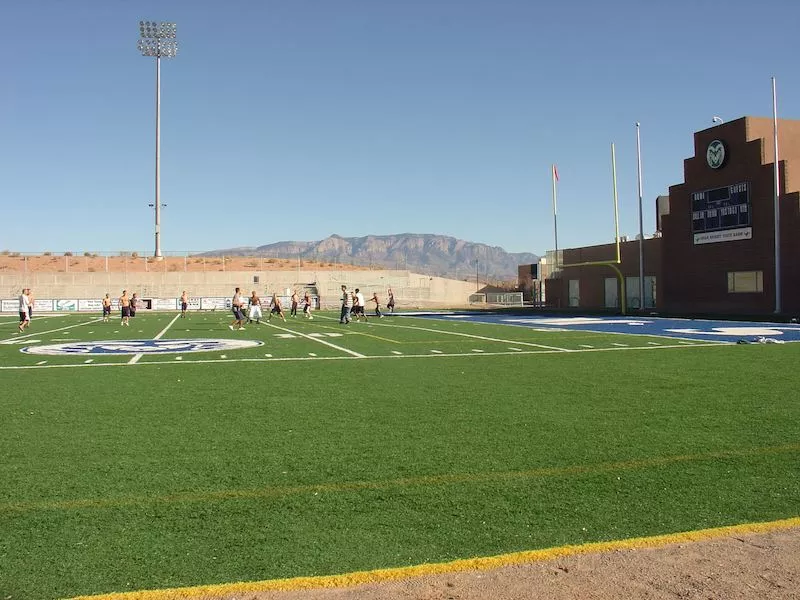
(353, 304)
(253, 305)
(129, 304)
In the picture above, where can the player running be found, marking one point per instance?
(238, 315)
(358, 306)
(377, 305)
(307, 307)
(276, 308)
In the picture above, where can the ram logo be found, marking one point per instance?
(716, 154)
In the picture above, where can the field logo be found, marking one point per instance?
(141, 347)
(716, 154)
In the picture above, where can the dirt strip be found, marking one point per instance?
(742, 567)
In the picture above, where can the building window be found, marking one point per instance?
(745, 282)
(574, 292)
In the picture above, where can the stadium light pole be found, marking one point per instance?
(158, 40)
(641, 222)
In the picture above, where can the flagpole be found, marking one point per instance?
(555, 215)
(776, 204)
(641, 225)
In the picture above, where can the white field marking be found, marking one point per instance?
(654, 343)
(308, 358)
(38, 319)
(21, 342)
(42, 362)
(178, 358)
(397, 353)
(268, 355)
(88, 360)
(285, 336)
(159, 335)
(476, 350)
(588, 346)
(223, 356)
(319, 341)
(436, 352)
(617, 344)
(476, 337)
(91, 332)
(27, 335)
(509, 324)
(515, 349)
(311, 354)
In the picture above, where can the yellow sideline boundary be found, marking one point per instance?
(484, 563)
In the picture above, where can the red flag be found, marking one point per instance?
(555, 172)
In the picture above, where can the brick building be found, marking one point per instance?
(714, 251)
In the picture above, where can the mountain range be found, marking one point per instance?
(431, 254)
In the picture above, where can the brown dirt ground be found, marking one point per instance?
(10, 263)
(741, 567)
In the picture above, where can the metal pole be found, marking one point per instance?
(555, 216)
(620, 276)
(477, 285)
(616, 204)
(641, 222)
(776, 203)
(157, 254)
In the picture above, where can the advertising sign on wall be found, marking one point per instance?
(66, 305)
(215, 303)
(43, 305)
(165, 304)
(90, 304)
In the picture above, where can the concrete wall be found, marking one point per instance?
(410, 289)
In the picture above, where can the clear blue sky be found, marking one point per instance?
(294, 120)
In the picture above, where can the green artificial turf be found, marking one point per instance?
(140, 476)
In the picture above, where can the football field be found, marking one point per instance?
(176, 452)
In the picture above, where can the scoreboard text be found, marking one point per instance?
(721, 208)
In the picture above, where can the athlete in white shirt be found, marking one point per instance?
(24, 313)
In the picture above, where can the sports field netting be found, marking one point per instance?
(202, 455)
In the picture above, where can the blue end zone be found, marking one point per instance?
(686, 329)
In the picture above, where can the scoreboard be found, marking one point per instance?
(721, 208)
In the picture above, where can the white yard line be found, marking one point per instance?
(318, 340)
(362, 357)
(136, 357)
(40, 333)
(475, 337)
(36, 319)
